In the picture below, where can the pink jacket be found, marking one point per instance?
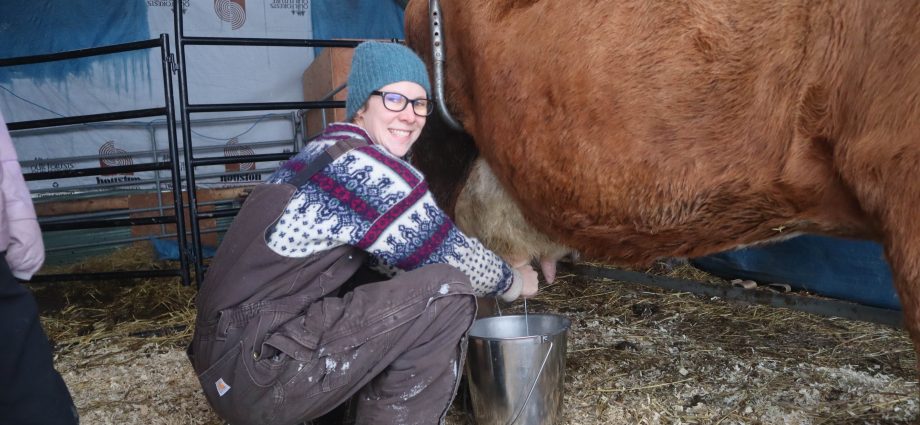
(20, 235)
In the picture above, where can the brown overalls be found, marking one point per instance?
(274, 342)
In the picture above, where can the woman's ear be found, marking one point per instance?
(358, 119)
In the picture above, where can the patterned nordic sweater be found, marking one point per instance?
(373, 200)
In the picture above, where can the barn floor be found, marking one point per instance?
(636, 355)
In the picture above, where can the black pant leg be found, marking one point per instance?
(32, 392)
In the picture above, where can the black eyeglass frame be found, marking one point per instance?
(383, 94)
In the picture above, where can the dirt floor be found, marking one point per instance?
(636, 355)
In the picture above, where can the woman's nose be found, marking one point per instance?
(408, 115)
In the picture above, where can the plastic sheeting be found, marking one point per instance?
(216, 74)
(837, 268)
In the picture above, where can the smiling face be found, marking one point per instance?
(395, 131)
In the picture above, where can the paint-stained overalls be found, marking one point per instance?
(275, 343)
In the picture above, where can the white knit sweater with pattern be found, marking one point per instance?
(372, 200)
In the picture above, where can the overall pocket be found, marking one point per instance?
(234, 396)
(294, 356)
(285, 354)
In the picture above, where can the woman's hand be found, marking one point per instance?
(528, 279)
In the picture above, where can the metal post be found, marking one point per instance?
(195, 254)
(174, 159)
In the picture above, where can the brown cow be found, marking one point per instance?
(631, 130)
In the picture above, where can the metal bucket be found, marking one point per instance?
(516, 369)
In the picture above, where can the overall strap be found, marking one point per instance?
(330, 154)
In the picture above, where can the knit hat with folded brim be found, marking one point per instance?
(376, 64)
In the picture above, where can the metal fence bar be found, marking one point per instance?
(119, 275)
(234, 107)
(97, 171)
(118, 212)
(265, 157)
(170, 235)
(113, 222)
(267, 42)
(85, 119)
(81, 53)
(157, 152)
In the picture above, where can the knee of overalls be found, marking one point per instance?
(446, 282)
(458, 282)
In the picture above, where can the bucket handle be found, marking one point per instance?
(534, 384)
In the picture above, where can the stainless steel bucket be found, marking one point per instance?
(516, 369)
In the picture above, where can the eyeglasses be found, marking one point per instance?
(397, 102)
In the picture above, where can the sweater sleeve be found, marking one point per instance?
(415, 232)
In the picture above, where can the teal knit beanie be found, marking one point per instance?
(376, 64)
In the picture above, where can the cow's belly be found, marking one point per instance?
(644, 221)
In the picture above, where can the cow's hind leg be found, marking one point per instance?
(886, 179)
(902, 249)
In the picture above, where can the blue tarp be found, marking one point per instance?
(837, 268)
(379, 19)
(51, 26)
(169, 249)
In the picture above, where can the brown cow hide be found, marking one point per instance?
(632, 130)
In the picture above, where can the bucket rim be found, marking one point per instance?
(565, 322)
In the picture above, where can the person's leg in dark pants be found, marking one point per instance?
(32, 392)
(394, 348)
(417, 388)
(344, 414)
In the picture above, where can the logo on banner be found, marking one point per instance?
(232, 11)
(234, 148)
(297, 7)
(110, 156)
(43, 165)
(168, 3)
